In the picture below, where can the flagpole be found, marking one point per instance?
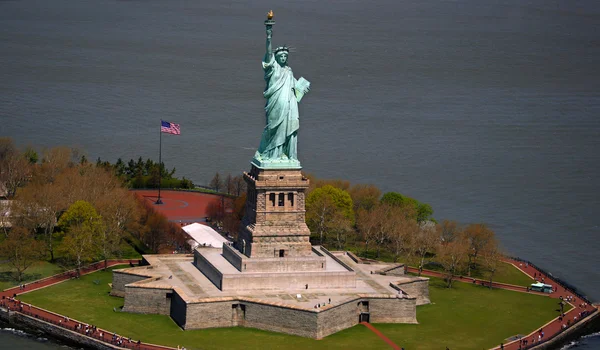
(158, 201)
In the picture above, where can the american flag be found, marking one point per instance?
(170, 128)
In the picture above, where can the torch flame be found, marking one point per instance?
(270, 14)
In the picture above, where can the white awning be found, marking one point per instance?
(204, 235)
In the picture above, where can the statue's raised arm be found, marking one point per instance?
(269, 52)
(278, 144)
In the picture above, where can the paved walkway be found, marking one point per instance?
(8, 301)
(556, 326)
(380, 335)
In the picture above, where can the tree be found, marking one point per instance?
(448, 231)
(315, 183)
(239, 185)
(381, 235)
(422, 212)
(15, 168)
(425, 242)
(323, 205)
(31, 155)
(54, 162)
(20, 250)
(478, 237)
(81, 224)
(39, 205)
(367, 224)
(491, 258)
(229, 184)
(5, 213)
(401, 229)
(364, 196)
(119, 209)
(452, 256)
(216, 183)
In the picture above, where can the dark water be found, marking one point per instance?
(488, 110)
(11, 338)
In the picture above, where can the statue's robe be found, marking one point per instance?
(279, 138)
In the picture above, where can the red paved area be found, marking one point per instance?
(182, 206)
(380, 335)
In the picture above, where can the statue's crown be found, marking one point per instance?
(281, 48)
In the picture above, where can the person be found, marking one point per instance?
(279, 137)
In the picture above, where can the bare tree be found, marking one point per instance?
(425, 242)
(118, 209)
(448, 231)
(382, 234)
(367, 223)
(478, 236)
(318, 216)
(216, 183)
(239, 185)
(39, 205)
(452, 256)
(15, 168)
(402, 229)
(20, 249)
(491, 258)
(229, 184)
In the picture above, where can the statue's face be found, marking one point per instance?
(281, 58)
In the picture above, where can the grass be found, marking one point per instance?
(39, 269)
(464, 317)
(471, 317)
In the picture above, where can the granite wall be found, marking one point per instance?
(148, 300)
(417, 288)
(120, 279)
(317, 323)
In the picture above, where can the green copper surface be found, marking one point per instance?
(278, 144)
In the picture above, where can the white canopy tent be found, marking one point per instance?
(202, 235)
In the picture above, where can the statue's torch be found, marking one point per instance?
(269, 22)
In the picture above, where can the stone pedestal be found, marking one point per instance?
(274, 222)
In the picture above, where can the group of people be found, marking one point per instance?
(319, 305)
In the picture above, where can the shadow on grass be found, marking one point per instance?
(11, 277)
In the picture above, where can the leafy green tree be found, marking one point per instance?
(82, 226)
(422, 211)
(31, 155)
(327, 209)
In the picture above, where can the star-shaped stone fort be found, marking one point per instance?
(271, 278)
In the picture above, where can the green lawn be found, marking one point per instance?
(38, 270)
(471, 317)
(464, 317)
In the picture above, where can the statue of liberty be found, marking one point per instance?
(278, 144)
